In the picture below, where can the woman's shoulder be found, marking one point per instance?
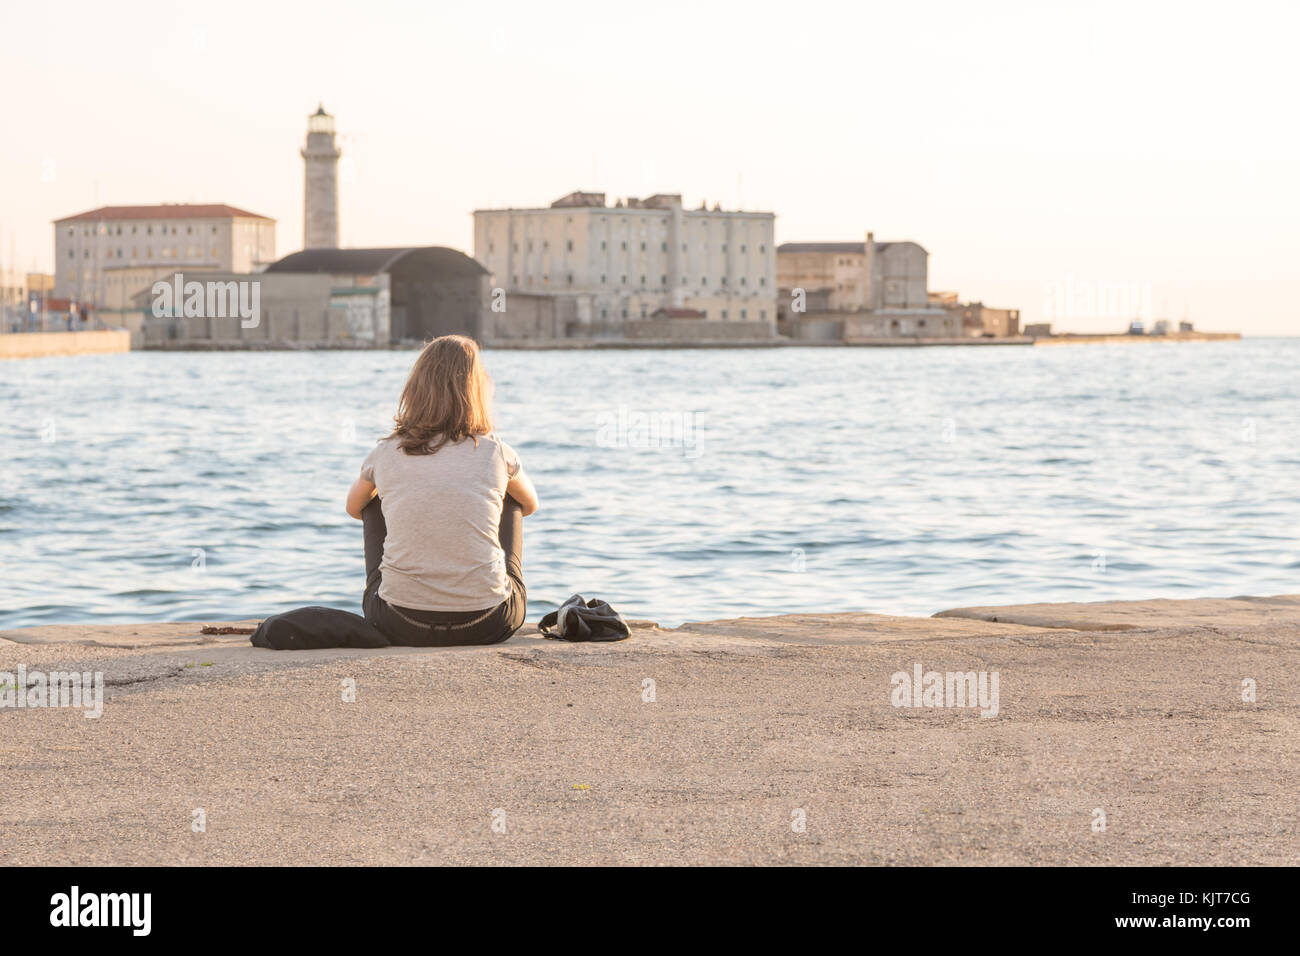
(508, 454)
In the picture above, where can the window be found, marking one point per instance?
(602, 278)
(214, 230)
(70, 254)
(643, 247)
(724, 313)
(743, 314)
(742, 247)
(724, 280)
(643, 282)
(604, 313)
(570, 278)
(623, 245)
(602, 245)
(624, 280)
(663, 280)
(742, 280)
(663, 247)
(569, 246)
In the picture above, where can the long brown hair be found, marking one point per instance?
(448, 397)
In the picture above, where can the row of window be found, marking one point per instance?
(148, 230)
(663, 280)
(167, 253)
(663, 246)
(645, 314)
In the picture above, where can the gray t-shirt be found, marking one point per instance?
(443, 512)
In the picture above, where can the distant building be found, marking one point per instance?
(604, 266)
(154, 241)
(14, 312)
(859, 290)
(13, 289)
(857, 276)
(1039, 330)
(320, 157)
(978, 319)
(420, 292)
(342, 298)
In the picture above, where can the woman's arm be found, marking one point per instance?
(521, 489)
(359, 496)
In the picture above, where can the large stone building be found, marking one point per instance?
(595, 268)
(320, 157)
(105, 256)
(858, 290)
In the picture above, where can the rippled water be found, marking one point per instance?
(205, 486)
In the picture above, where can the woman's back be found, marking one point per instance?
(442, 512)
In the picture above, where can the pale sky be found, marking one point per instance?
(1148, 146)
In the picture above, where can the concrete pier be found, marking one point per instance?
(756, 740)
(45, 344)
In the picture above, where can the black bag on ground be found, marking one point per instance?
(579, 620)
(307, 628)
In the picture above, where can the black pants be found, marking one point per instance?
(447, 628)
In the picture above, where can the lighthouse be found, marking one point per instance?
(320, 221)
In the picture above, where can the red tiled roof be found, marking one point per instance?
(172, 210)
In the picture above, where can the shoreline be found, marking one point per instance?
(54, 344)
(1133, 707)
